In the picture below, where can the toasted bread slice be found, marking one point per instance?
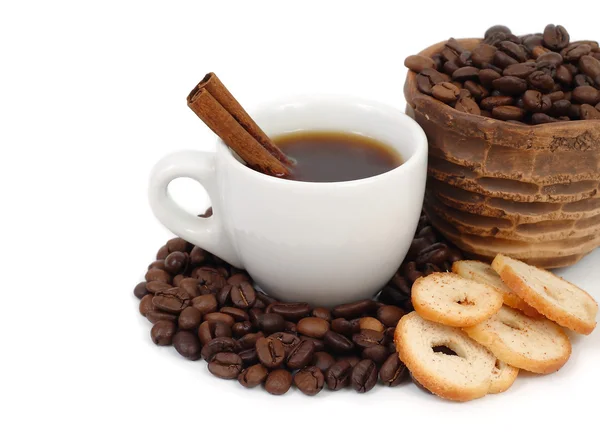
(535, 345)
(461, 377)
(554, 297)
(503, 376)
(451, 300)
(484, 273)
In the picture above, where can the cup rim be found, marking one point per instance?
(420, 152)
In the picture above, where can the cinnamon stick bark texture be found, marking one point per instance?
(218, 90)
(224, 125)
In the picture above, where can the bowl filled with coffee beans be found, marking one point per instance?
(513, 124)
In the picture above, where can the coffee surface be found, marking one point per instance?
(336, 156)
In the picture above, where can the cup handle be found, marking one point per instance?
(207, 233)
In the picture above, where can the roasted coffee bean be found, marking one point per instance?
(371, 323)
(240, 329)
(146, 304)
(216, 345)
(198, 255)
(563, 75)
(449, 55)
(208, 331)
(502, 60)
(319, 344)
(590, 66)
(586, 95)
(176, 262)
(313, 327)
(154, 316)
(430, 268)
(249, 357)
(516, 51)
(560, 108)
(259, 304)
(535, 101)
(266, 299)
(551, 57)
(238, 278)
(428, 78)
(390, 315)
(225, 365)
(510, 85)
(205, 304)
(278, 382)
(378, 354)
(392, 296)
(140, 290)
(187, 345)
(162, 332)
(467, 105)
(410, 271)
(289, 341)
(253, 376)
(157, 286)
(401, 284)
(589, 112)
(270, 323)
(158, 275)
(301, 355)
(338, 375)
(368, 337)
(290, 311)
(487, 76)
(417, 245)
(542, 118)
(354, 309)
(344, 327)
(323, 361)
(541, 81)
(446, 92)
(209, 278)
(506, 113)
(476, 90)
(496, 29)
(158, 264)
(249, 340)
(438, 61)
(162, 253)
(290, 327)
(450, 67)
(418, 63)
(555, 37)
(495, 101)
(178, 244)
(253, 315)
(220, 317)
(309, 380)
(173, 300)
(237, 314)
(465, 73)
(189, 318)
(573, 54)
(482, 54)
(271, 352)
(243, 295)
(436, 253)
(582, 80)
(532, 41)
(520, 70)
(364, 376)
(337, 342)
(322, 313)
(190, 285)
(393, 371)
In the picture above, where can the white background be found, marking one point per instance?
(92, 93)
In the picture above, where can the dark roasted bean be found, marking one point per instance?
(446, 92)
(586, 95)
(176, 262)
(162, 253)
(368, 338)
(190, 285)
(541, 81)
(248, 341)
(146, 304)
(354, 309)
(208, 330)
(237, 314)
(189, 318)
(225, 365)
(253, 376)
(173, 300)
(205, 304)
(313, 327)
(270, 323)
(220, 317)
(542, 118)
(162, 332)
(337, 342)
(157, 286)
(301, 355)
(309, 380)
(393, 371)
(154, 316)
(338, 375)
(243, 295)
(289, 341)
(271, 352)
(158, 264)
(249, 357)
(378, 354)
(364, 376)
(555, 37)
(187, 345)
(589, 112)
(418, 63)
(158, 275)
(323, 361)
(506, 113)
(290, 311)
(140, 290)
(390, 315)
(240, 329)
(319, 344)
(278, 382)
(322, 313)
(216, 345)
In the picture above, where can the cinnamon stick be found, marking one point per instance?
(218, 90)
(224, 125)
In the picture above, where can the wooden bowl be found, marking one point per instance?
(528, 191)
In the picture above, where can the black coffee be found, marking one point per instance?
(336, 156)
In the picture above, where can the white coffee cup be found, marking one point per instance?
(322, 243)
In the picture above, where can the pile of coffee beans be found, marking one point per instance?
(533, 79)
(210, 310)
